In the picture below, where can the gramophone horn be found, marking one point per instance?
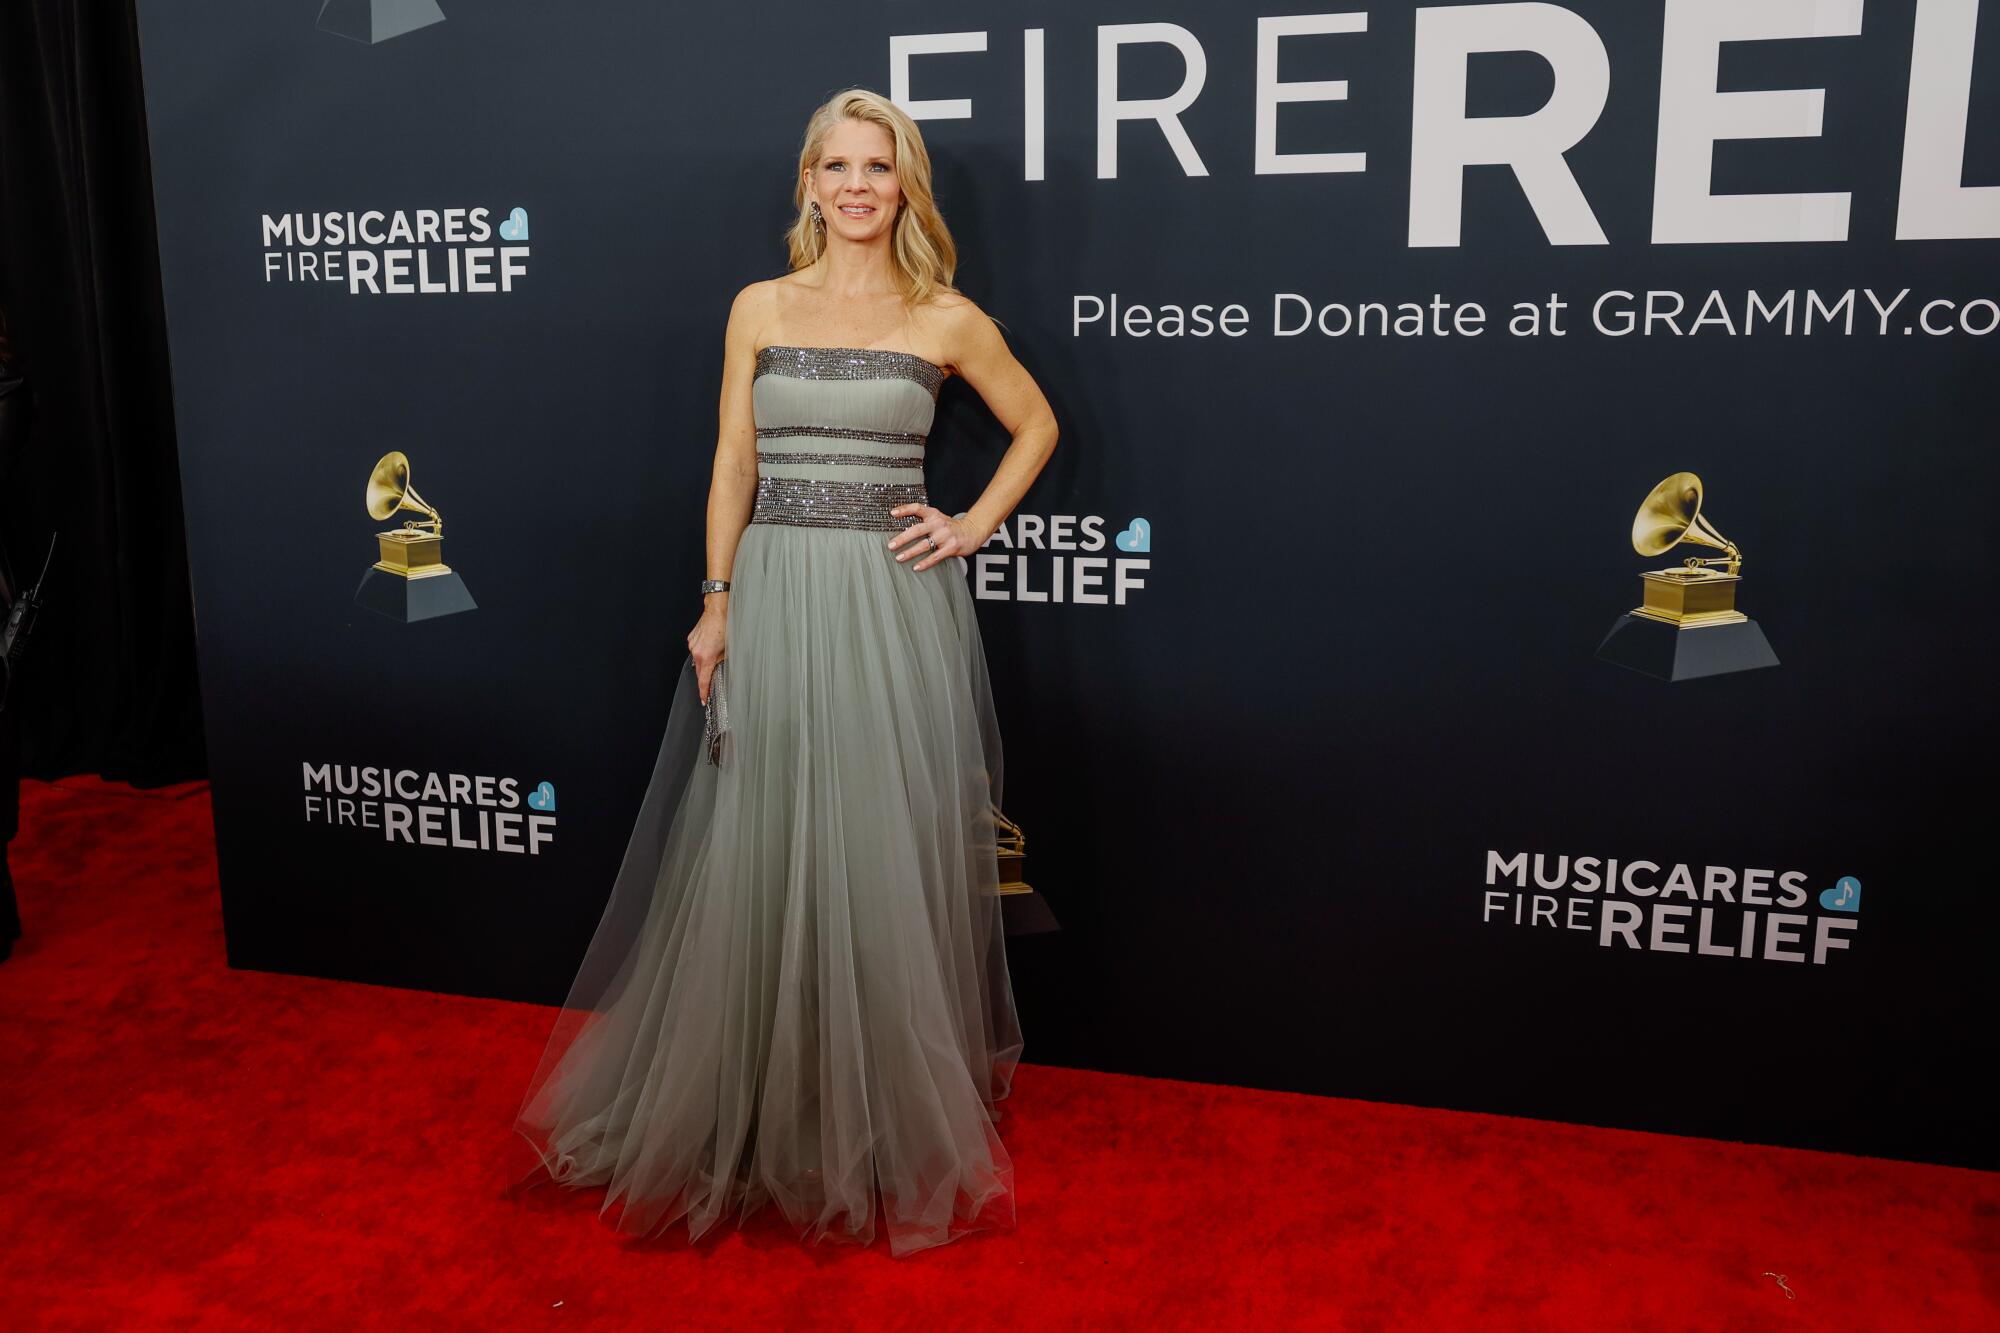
(1672, 515)
(389, 489)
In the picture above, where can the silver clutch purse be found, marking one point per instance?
(715, 724)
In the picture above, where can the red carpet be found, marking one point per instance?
(186, 1146)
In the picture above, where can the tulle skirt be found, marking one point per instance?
(798, 992)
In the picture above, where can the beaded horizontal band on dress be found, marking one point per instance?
(842, 460)
(841, 433)
(849, 363)
(803, 502)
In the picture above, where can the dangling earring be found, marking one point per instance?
(819, 219)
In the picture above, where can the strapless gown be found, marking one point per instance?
(798, 992)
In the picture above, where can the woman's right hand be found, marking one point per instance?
(708, 642)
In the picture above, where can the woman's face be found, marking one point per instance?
(855, 181)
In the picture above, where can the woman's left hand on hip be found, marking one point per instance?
(933, 537)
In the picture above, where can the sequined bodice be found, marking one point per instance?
(840, 435)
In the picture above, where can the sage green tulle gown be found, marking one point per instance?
(798, 993)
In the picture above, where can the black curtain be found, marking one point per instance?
(108, 684)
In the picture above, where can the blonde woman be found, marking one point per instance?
(798, 993)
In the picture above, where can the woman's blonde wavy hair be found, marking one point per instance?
(921, 248)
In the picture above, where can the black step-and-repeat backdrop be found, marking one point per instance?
(1370, 331)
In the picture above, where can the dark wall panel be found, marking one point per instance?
(1276, 789)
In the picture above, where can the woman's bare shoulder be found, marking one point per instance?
(758, 298)
(954, 323)
(754, 310)
(961, 328)
(951, 304)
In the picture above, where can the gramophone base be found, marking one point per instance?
(373, 21)
(1657, 649)
(406, 599)
(1025, 912)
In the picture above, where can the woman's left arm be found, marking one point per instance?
(981, 355)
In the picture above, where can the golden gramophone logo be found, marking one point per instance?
(1686, 624)
(410, 581)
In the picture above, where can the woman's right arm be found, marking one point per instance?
(732, 485)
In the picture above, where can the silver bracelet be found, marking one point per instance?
(714, 585)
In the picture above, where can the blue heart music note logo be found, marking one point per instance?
(542, 797)
(1137, 537)
(1844, 896)
(515, 228)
